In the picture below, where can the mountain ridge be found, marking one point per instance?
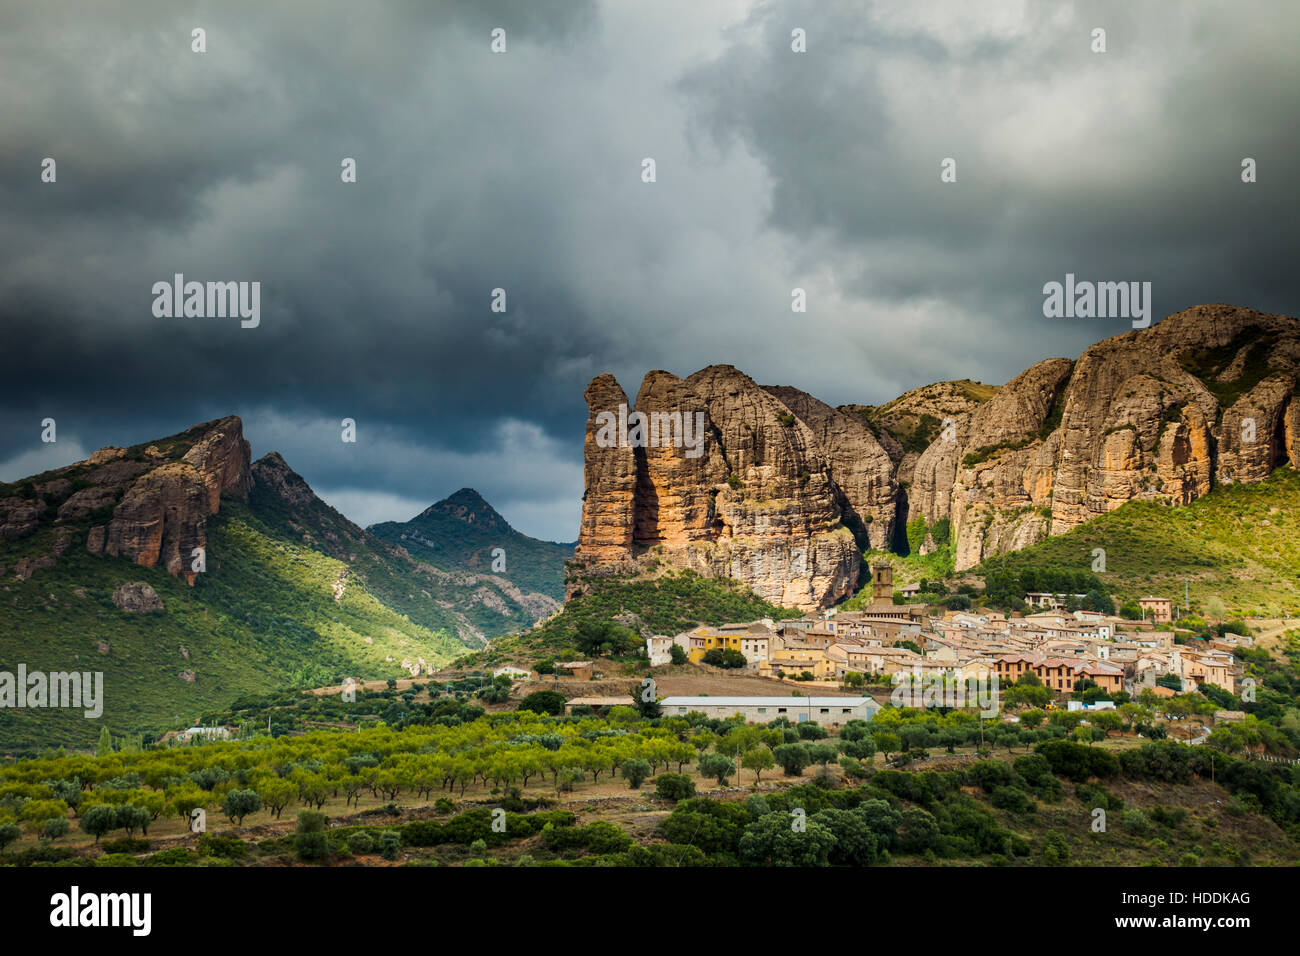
(240, 578)
(463, 530)
(788, 494)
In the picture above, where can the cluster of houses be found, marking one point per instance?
(1060, 647)
(1157, 610)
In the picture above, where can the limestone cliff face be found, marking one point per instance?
(1252, 433)
(610, 472)
(149, 504)
(1162, 414)
(766, 492)
(908, 428)
(857, 463)
(786, 490)
(1002, 473)
(162, 515)
(161, 519)
(673, 501)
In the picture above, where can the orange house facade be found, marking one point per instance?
(1057, 673)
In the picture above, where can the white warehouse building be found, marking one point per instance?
(827, 711)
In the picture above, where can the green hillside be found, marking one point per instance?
(263, 616)
(670, 604)
(294, 595)
(462, 530)
(1240, 543)
(471, 605)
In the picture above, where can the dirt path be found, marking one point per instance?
(1271, 630)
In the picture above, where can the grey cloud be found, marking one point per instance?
(522, 171)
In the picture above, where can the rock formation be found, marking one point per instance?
(1163, 414)
(143, 504)
(857, 463)
(162, 515)
(770, 494)
(137, 598)
(609, 470)
(786, 491)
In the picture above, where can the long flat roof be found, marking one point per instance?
(599, 701)
(768, 701)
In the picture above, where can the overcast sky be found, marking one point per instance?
(522, 170)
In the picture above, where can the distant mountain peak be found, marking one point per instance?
(469, 506)
(463, 531)
(468, 497)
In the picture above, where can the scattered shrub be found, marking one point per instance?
(230, 848)
(674, 786)
(126, 845)
(309, 839)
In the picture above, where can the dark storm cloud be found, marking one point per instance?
(225, 165)
(1119, 165)
(521, 171)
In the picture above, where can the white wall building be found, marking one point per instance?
(827, 711)
(658, 649)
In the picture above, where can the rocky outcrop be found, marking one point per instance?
(1164, 414)
(610, 473)
(719, 475)
(19, 515)
(906, 426)
(1251, 433)
(106, 454)
(1205, 397)
(137, 598)
(222, 460)
(149, 505)
(162, 516)
(88, 500)
(858, 465)
(161, 519)
(1291, 433)
(1002, 472)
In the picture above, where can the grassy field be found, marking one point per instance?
(1240, 543)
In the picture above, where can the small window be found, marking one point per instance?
(780, 710)
(762, 710)
(825, 710)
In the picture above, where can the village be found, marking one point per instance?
(901, 644)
